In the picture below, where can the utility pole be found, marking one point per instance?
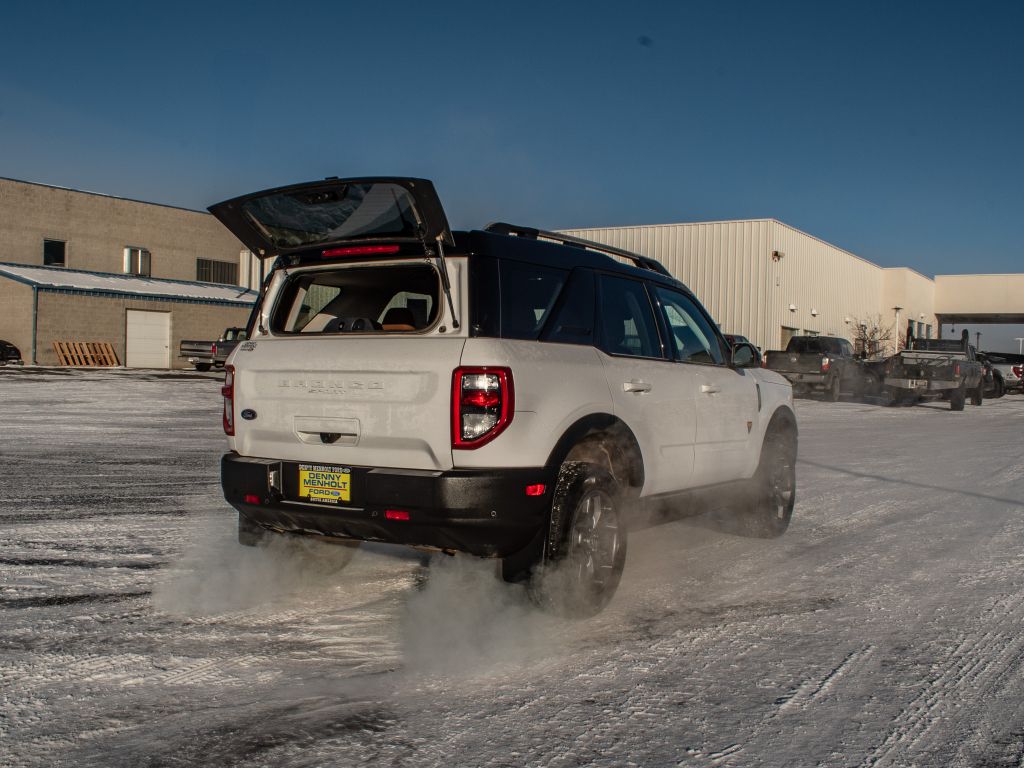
(1020, 345)
(977, 340)
(896, 342)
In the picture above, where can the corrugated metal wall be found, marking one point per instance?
(729, 265)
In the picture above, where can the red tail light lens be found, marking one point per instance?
(1018, 371)
(228, 390)
(396, 514)
(826, 363)
(483, 403)
(956, 369)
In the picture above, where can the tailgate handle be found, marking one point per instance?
(327, 431)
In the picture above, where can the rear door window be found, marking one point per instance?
(627, 320)
(384, 298)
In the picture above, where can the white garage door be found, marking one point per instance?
(147, 339)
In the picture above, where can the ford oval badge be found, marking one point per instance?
(248, 414)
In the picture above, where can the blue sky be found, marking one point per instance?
(890, 129)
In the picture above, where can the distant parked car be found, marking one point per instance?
(10, 354)
(1009, 367)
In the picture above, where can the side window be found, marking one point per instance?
(573, 318)
(528, 293)
(627, 319)
(691, 336)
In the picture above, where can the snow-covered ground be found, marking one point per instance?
(884, 629)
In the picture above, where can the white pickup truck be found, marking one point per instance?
(506, 392)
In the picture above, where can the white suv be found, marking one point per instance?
(506, 392)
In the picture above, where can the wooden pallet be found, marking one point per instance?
(85, 354)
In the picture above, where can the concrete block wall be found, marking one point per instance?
(97, 228)
(76, 317)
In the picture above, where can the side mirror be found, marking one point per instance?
(744, 356)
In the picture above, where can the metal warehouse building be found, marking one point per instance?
(769, 281)
(85, 267)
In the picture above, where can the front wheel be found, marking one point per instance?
(586, 547)
(769, 505)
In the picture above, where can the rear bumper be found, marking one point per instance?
(922, 385)
(806, 379)
(483, 512)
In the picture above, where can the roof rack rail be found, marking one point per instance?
(532, 233)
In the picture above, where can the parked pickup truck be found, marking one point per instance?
(818, 363)
(932, 368)
(207, 354)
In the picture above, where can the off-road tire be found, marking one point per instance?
(978, 395)
(585, 550)
(957, 398)
(832, 393)
(767, 507)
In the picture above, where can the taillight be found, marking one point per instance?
(213, 350)
(360, 250)
(825, 364)
(228, 390)
(483, 403)
(1018, 371)
(956, 369)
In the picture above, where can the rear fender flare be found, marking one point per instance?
(618, 444)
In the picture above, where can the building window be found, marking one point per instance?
(137, 261)
(210, 271)
(928, 331)
(53, 253)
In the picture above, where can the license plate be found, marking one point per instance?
(919, 383)
(323, 484)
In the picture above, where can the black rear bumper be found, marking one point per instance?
(483, 512)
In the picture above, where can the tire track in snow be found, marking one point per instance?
(815, 688)
(978, 664)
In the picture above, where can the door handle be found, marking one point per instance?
(635, 385)
(709, 389)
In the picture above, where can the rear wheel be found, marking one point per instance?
(769, 505)
(957, 398)
(978, 395)
(586, 547)
(832, 393)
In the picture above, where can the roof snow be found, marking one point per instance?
(72, 280)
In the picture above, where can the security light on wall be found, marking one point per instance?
(777, 255)
(814, 313)
(792, 307)
(846, 320)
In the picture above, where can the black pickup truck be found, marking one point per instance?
(207, 354)
(931, 368)
(818, 363)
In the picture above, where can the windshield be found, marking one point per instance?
(312, 216)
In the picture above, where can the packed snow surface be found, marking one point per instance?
(884, 628)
